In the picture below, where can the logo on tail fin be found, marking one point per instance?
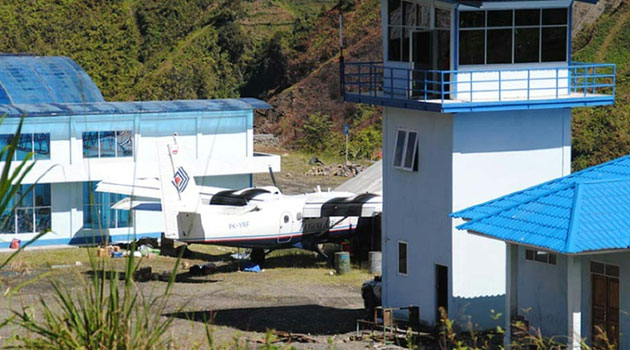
(180, 180)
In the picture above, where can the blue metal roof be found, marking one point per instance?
(44, 79)
(574, 217)
(59, 109)
(615, 169)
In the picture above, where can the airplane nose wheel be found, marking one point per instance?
(258, 256)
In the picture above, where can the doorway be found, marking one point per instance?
(604, 303)
(441, 290)
(430, 53)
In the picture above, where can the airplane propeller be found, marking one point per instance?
(273, 179)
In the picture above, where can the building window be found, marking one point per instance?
(402, 258)
(604, 269)
(107, 144)
(513, 36)
(31, 213)
(541, 256)
(404, 17)
(37, 143)
(406, 152)
(97, 211)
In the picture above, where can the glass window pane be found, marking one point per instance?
(5, 140)
(24, 220)
(553, 259)
(395, 12)
(597, 267)
(442, 18)
(409, 14)
(612, 270)
(42, 195)
(526, 45)
(90, 144)
(527, 17)
(424, 16)
(124, 141)
(24, 146)
(529, 254)
(499, 46)
(42, 219)
(554, 44)
(501, 18)
(444, 51)
(411, 147)
(400, 144)
(27, 192)
(542, 256)
(471, 46)
(7, 222)
(472, 19)
(402, 257)
(123, 218)
(554, 16)
(41, 146)
(395, 37)
(108, 144)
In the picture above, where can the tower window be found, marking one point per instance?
(513, 36)
(402, 258)
(406, 151)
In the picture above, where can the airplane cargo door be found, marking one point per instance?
(286, 228)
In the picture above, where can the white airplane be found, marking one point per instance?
(260, 218)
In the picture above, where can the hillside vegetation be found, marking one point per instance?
(283, 51)
(603, 133)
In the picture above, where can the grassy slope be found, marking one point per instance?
(603, 133)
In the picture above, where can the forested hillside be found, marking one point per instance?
(603, 133)
(284, 51)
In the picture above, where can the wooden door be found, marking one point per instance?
(605, 308)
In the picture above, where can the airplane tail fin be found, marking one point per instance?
(180, 193)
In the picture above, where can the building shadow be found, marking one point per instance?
(307, 319)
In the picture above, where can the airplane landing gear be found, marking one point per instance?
(258, 256)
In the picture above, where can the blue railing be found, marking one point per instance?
(379, 81)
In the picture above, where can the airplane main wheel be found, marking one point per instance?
(258, 256)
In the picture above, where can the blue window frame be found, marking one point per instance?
(97, 211)
(107, 144)
(37, 143)
(32, 214)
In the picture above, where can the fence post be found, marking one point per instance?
(585, 80)
(425, 85)
(471, 86)
(557, 87)
(528, 83)
(370, 79)
(442, 84)
(499, 84)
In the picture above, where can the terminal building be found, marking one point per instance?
(78, 139)
(477, 99)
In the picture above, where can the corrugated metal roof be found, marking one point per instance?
(57, 109)
(44, 79)
(615, 169)
(574, 217)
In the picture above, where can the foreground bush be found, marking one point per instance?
(100, 315)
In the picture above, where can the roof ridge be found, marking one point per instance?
(572, 175)
(562, 188)
(573, 220)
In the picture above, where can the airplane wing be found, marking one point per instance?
(329, 204)
(147, 188)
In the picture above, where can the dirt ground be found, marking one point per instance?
(295, 293)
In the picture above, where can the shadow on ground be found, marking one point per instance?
(183, 277)
(308, 319)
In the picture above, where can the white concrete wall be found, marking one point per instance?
(416, 207)
(497, 153)
(220, 146)
(542, 294)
